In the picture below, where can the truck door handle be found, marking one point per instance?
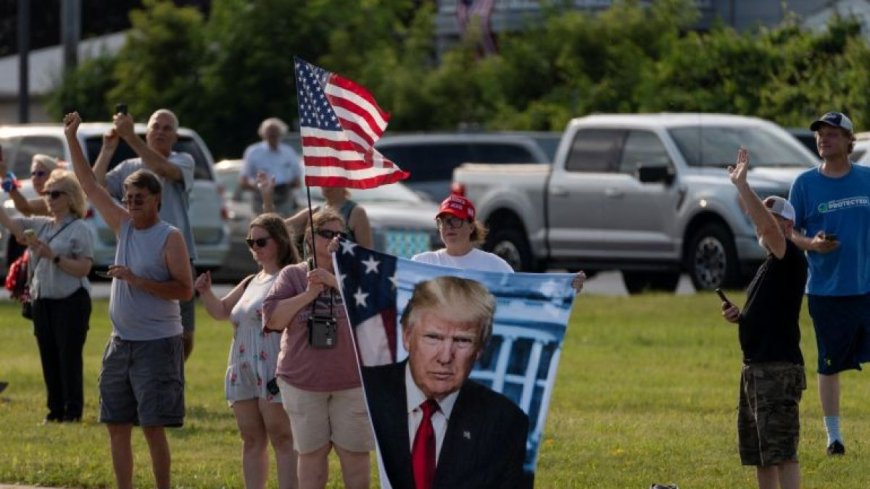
(614, 193)
(558, 191)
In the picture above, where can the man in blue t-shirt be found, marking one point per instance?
(832, 223)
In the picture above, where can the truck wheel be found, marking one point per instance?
(637, 282)
(512, 246)
(712, 259)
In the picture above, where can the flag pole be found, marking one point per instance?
(311, 224)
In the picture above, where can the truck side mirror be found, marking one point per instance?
(654, 174)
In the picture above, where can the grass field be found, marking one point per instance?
(646, 392)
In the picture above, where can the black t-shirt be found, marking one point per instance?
(769, 330)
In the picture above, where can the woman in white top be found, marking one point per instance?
(250, 383)
(461, 232)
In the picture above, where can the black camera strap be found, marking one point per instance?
(331, 296)
(331, 304)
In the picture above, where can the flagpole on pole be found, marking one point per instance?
(311, 223)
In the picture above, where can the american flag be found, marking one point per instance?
(520, 361)
(340, 122)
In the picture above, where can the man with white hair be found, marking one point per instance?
(175, 171)
(278, 161)
(772, 380)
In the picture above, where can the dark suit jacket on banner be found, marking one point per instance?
(484, 446)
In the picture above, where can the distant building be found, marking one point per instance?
(45, 69)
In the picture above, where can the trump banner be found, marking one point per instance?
(519, 361)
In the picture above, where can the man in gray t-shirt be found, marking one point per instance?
(174, 169)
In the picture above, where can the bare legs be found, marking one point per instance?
(314, 468)
(261, 422)
(829, 394)
(122, 454)
(783, 476)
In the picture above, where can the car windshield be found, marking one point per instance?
(716, 146)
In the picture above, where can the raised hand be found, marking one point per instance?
(110, 139)
(124, 125)
(738, 172)
(203, 282)
(265, 182)
(71, 123)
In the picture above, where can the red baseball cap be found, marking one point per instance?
(459, 206)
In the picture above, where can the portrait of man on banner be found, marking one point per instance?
(484, 346)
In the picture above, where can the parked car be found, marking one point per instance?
(806, 137)
(403, 222)
(431, 157)
(207, 211)
(645, 194)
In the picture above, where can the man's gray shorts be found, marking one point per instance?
(142, 382)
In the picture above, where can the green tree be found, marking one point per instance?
(160, 63)
(84, 89)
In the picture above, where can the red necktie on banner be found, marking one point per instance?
(423, 451)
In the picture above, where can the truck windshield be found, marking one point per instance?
(716, 146)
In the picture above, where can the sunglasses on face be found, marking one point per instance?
(55, 194)
(328, 233)
(134, 199)
(451, 222)
(38, 173)
(258, 242)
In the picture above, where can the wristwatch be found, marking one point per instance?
(56, 259)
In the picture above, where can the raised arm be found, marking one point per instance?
(297, 222)
(10, 224)
(266, 187)
(101, 166)
(28, 207)
(218, 308)
(766, 227)
(153, 160)
(112, 213)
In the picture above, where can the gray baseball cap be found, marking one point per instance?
(835, 119)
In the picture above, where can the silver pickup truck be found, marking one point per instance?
(645, 194)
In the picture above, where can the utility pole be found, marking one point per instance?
(23, 65)
(71, 32)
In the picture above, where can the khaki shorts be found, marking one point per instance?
(318, 418)
(768, 422)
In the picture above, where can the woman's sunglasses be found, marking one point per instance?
(55, 194)
(328, 233)
(38, 173)
(259, 242)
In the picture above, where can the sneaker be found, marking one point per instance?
(836, 448)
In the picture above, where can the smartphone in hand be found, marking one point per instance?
(721, 294)
(830, 237)
(121, 109)
(102, 274)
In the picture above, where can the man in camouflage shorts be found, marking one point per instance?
(773, 378)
